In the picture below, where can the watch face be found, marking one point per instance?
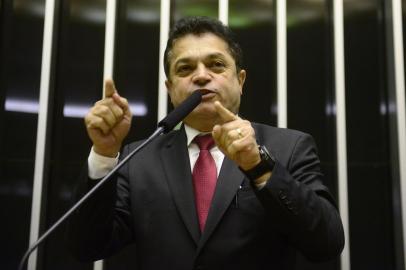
(264, 153)
(267, 157)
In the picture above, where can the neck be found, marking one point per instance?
(200, 125)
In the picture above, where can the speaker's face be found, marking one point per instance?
(203, 63)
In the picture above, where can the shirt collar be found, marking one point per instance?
(191, 133)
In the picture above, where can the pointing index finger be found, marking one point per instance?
(109, 88)
(225, 114)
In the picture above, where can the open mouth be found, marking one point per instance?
(207, 95)
(206, 92)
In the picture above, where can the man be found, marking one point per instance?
(250, 202)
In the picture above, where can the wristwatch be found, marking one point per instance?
(266, 165)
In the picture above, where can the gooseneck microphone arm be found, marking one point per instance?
(164, 126)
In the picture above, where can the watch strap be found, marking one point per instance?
(266, 165)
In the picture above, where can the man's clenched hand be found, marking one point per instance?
(108, 122)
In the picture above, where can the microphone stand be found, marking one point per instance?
(156, 133)
(165, 125)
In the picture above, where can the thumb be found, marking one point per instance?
(109, 88)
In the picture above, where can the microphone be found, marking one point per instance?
(180, 112)
(164, 126)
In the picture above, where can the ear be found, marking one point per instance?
(168, 85)
(241, 78)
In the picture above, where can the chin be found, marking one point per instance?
(203, 113)
(201, 122)
(205, 110)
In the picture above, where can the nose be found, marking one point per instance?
(202, 75)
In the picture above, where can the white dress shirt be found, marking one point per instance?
(99, 166)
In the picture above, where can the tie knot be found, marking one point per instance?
(204, 142)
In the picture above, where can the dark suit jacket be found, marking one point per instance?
(151, 203)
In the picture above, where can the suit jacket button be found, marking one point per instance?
(282, 195)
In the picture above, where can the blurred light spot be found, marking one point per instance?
(387, 108)
(69, 110)
(146, 16)
(330, 109)
(80, 111)
(19, 105)
(383, 108)
(75, 111)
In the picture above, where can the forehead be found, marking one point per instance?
(196, 46)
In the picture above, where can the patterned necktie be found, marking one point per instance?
(204, 178)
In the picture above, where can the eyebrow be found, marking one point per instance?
(209, 56)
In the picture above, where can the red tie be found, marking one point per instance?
(204, 178)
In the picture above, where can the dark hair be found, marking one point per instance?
(198, 26)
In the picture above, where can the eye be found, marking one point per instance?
(183, 68)
(217, 65)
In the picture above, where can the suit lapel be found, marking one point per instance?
(228, 182)
(175, 158)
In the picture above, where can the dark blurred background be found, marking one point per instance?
(77, 73)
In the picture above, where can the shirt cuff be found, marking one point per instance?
(99, 166)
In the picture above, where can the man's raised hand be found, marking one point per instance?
(235, 137)
(108, 121)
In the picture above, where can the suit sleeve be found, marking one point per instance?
(301, 206)
(104, 223)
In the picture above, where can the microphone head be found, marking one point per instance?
(180, 112)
